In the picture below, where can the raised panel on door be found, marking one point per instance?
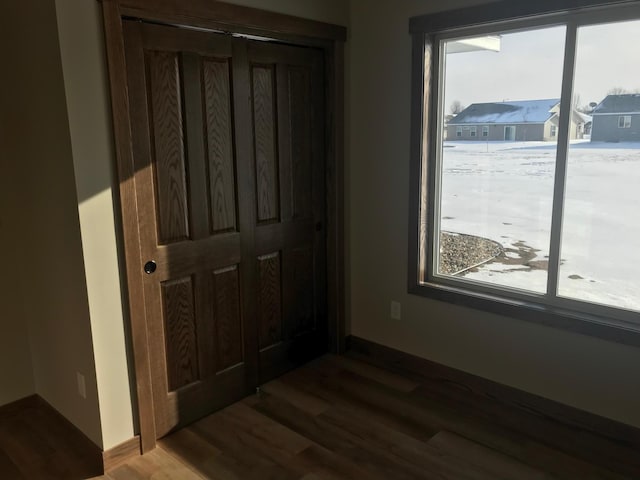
(178, 305)
(183, 109)
(227, 316)
(165, 110)
(263, 83)
(221, 167)
(288, 122)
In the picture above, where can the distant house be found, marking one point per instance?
(527, 120)
(617, 119)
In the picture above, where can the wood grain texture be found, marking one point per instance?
(197, 181)
(543, 420)
(236, 18)
(180, 333)
(219, 137)
(168, 139)
(326, 421)
(176, 259)
(189, 386)
(265, 149)
(129, 237)
(121, 454)
(37, 442)
(154, 465)
(300, 137)
(493, 463)
(227, 318)
(269, 300)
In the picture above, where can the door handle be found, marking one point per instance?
(150, 267)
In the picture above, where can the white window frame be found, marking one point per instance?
(429, 34)
(485, 131)
(624, 121)
(473, 131)
(458, 131)
(553, 131)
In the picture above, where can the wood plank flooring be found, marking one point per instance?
(37, 443)
(341, 418)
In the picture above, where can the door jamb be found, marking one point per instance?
(223, 17)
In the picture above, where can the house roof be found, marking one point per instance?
(525, 111)
(618, 104)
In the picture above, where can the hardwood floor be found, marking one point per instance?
(341, 418)
(37, 443)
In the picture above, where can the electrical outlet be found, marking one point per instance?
(396, 311)
(82, 386)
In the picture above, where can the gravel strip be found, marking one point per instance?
(460, 252)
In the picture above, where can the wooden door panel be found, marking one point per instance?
(289, 243)
(181, 85)
(167, 125)
(227, 318)
(180, 333)
(220, 153)
(265, 142)
(269, 300)
(228, 149)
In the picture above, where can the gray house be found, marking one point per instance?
(527, 120)
(617, 119)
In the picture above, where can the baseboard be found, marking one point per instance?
(486, 390)
(83, 446)
(102, 461)
(31, 401)
(120, 454)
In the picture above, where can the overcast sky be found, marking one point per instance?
(529, 66)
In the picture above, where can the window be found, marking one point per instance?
(534, 226)
(624, 121)
(474, 131)
(458, 131)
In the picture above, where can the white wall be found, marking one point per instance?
(581, 371)
(90, 125)
(48, 252)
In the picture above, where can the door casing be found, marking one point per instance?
(218, 16)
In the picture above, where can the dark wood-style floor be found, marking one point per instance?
(38, 443)
(341, 418)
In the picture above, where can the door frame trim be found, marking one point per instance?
(223, 17)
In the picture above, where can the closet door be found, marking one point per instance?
(191, 185)
(287, 101)
(228, 147)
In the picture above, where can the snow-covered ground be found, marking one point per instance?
(504, 191)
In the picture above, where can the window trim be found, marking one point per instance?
(485, 131)
(624, 123)
(591, 319)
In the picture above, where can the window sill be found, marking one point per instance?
(604, 328)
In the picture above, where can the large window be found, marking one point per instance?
(546, 217)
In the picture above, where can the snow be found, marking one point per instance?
(524, 111)
(503, 191)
